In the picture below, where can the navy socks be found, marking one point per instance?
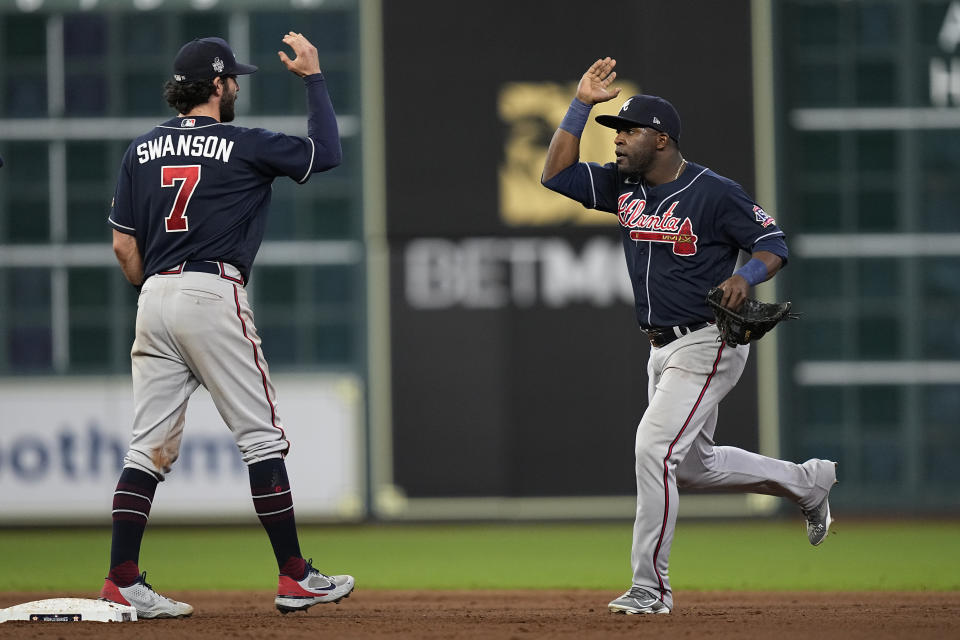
(131, 509)
(273, 502)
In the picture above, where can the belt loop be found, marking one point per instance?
(679, 331)
(226, 276)
(175, 271)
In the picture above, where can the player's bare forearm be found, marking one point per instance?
(128, 255)
(306, 62)
(736, 289)
(564, 150)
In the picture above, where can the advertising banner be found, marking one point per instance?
(518, 368)
(63, 440)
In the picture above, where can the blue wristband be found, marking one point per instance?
(754, 272)
(576, 118)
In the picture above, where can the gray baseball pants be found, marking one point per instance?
(197, 328)
(674, 447)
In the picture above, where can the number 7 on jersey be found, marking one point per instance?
(189, 177)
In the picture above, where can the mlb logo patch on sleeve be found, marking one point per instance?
(762, 217)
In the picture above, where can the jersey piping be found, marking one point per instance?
(203, 126)
(767, 235)
(313, 151)
(646, 279)
(646, 282)
(117, 224)
(593, 187)
(263, 375)
(657, 210)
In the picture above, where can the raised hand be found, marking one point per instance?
(306, 62)
(593, 87)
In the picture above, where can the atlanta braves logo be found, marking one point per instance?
(665, 228)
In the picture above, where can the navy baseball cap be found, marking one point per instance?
(645, 111)
(205, 59)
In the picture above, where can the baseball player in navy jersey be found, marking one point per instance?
(683, 227)
(188, 217)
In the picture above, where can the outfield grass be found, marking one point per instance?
(751, 555)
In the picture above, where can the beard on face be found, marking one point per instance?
(227, 102)
(636, 164)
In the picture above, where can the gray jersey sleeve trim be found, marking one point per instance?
(313, 153)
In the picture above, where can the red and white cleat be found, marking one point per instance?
(313, 588)
(142, 597)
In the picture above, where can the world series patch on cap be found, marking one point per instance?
(207, 58)
(645, 111)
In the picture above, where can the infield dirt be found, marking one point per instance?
(523, 615)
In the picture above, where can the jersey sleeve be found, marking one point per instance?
(592, 185)
(748, 225)
(121, 209)
(278, 154)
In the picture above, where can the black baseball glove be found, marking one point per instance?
(751, 321)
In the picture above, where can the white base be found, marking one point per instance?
(69, 610)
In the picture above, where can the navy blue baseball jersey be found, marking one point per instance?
(197, 189)
(680, 238)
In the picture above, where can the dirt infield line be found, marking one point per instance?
(527, 615)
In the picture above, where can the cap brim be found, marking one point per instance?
(243, 69)
(616, 122)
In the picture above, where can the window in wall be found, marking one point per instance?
(29, 338)
(24, 47)
(27, 194)
(332, 32)
(86, 46)
(89, 190)
(89, 291)
(865, 172)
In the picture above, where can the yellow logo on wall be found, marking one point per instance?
(532, 111)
